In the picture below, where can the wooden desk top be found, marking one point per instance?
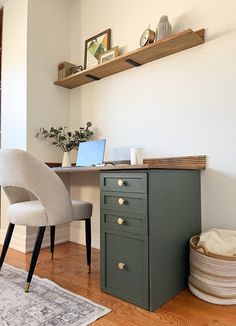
(180, 163)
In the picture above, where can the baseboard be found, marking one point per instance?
(20, 243)
(78, 236)
(17, 241)
(25, 244)
(62, 236)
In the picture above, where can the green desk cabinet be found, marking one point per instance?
(147, 218)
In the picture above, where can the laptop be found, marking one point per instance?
(91, 153)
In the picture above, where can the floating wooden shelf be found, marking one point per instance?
(173, 44)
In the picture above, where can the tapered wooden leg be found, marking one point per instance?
(52, 239)
(88, 242)
(35, 255)
(6, 243)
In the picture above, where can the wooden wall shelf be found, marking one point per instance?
(173, 44)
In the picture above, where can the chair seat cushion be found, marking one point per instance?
(32, 213)
(29, 213)
(81, 210)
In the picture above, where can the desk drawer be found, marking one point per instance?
(125, 267)
(126, 222)
(125, 202)
(125, 182)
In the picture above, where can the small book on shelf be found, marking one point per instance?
(64, 69)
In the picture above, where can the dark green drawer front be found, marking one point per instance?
(131, 282)
(124, 182)
(132, 202)
(128, 222)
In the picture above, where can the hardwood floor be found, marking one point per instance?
(69, 270)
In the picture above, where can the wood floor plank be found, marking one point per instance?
(69, 270)
(208, 312)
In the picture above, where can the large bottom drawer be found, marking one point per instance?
(124, 266)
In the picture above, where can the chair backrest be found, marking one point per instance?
(16, 194)
(21, 172)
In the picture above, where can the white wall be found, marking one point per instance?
(180, 105)
(48, 44)
(183, 104)
(47, 106)
(13, 94)
(14, 77)
(35, 40)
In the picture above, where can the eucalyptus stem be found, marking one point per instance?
(66, 140)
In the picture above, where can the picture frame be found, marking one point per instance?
(96, 45)
(109, 55)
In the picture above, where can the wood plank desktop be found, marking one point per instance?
(179, 163)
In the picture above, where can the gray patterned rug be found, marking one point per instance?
(47, 304)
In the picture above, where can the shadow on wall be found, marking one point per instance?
(184, 21)
(218, 200)
(85, 185)
(212, 37)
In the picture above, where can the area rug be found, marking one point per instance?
(47, 304)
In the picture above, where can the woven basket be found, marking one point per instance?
(212, 277)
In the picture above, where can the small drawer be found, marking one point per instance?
(126, 202)
(127, 222)
(125, 182)
(125, 267)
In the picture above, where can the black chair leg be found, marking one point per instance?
(88, 242)
(35, 255)
(52, 239)
(6, 243)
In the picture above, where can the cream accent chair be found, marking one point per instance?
(38, 198)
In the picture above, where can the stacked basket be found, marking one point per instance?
(212, 277)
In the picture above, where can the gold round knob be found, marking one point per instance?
(121, 201)
(120, 221)
(121, 265)
(120, 182)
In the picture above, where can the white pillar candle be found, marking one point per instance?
(136, 156)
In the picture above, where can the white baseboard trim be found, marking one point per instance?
(62, 236)
(20, 243)
(78, 236)
(25, 244)
(17, 241)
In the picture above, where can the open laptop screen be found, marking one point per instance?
(91, 152)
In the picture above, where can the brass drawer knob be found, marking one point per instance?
(121, 201)
(121, 220)
(121, 265)
(120, 182)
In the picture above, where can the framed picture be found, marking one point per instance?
(109, 55)
(96, 45)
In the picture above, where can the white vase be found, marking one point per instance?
(164, 28)
(66, 159)
(136, 156)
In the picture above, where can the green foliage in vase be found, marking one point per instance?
(65, 139)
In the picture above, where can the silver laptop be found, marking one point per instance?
(91, 153)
